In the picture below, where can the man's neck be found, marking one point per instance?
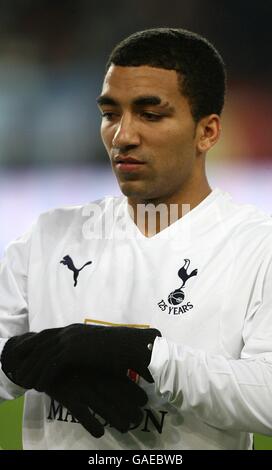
(154, 215)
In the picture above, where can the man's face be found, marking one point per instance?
(148, 131)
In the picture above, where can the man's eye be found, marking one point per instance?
(152, 116)
(108, 116)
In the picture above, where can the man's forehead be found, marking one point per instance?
(142, 80)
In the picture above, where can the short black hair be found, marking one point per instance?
(200, 68)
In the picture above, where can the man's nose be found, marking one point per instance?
(126, 133)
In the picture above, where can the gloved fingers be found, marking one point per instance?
(123, 399)
(116, 409)
(109, 387)
(47, 359)
(138, 393)
(112, 409)
(38, 370)
(34, 341)
(127, 389)
(29, 359)
(129, 396)
(10, 358)
(86, 418)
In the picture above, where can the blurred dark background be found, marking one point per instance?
(52, 59)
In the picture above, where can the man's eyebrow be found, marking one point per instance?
(145, 100)
(105, 99)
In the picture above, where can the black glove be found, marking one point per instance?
(116, 400)
(34, 360)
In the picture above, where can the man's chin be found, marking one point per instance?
(132, 189)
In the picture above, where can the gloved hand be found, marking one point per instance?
(34, 360)
(117, 401)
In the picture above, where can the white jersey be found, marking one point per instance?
(204, 282)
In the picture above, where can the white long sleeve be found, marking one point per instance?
(225, 393)
(13, 304)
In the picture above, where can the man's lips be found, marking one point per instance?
(126, 164)
(124, 159)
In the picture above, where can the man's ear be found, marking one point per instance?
(208, 132)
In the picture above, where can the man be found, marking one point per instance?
(185, 306)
